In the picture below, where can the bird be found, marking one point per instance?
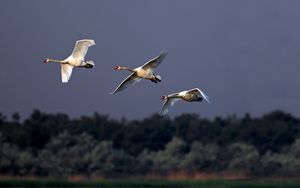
(76, 59)
(143, 72)
(192, 95)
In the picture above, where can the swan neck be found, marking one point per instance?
(56, 61)
(174, 96)
(126, 68)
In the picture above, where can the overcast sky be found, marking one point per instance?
(243, 54)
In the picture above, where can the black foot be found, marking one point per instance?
(155, 81)
(88, 66)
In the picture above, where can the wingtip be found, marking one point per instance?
(163, 53)
(91, 40)
(206, 97)
(164, 112)
(161, 114)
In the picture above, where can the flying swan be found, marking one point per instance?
(76, 59)
(193, 95)
(143, 72)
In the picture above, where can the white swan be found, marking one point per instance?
(76, 59)
(193, 95)
(145, 71)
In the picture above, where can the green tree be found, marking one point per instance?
(106, 161)
(168, 159)
(201, 157)
(242, 157)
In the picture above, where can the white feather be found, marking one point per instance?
(158, 76)
(81, 48)
(129, 81)
(204, 96)
(66, 72)
(153, 63)
(169, 102)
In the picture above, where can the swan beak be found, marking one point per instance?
(162, 98)
(45, 61)
(116, 68)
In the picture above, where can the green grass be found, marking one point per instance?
(152, 183)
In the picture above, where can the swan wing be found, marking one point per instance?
(198, 91)
(130, 80)
(153, 63)
(167, 104)
(66, 72)
(81, 48)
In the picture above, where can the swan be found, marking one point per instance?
(193, 95)
(76, 59)
(143, 72)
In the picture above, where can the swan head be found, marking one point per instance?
(117, 67)
(46, 60)
(163, 97)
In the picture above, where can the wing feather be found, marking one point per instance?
(153, 63)
(81, 48)
(198, 91)
(130, 80)
(169, 102)
(66, 72)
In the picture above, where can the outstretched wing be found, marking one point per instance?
(81, 48)
(130, 80)
(66, 72)
(199, 92)
(167, 104)
(153, 63)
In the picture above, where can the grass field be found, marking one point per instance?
(153, 183)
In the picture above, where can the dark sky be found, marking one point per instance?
(243, 54)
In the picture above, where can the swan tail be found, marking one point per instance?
(158, 78)
(89, 64)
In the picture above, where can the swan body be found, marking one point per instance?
(193, 95)
(76, 59)
(143, 72)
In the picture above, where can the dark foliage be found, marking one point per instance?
(55, 145)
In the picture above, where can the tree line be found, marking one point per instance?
(54, 145)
